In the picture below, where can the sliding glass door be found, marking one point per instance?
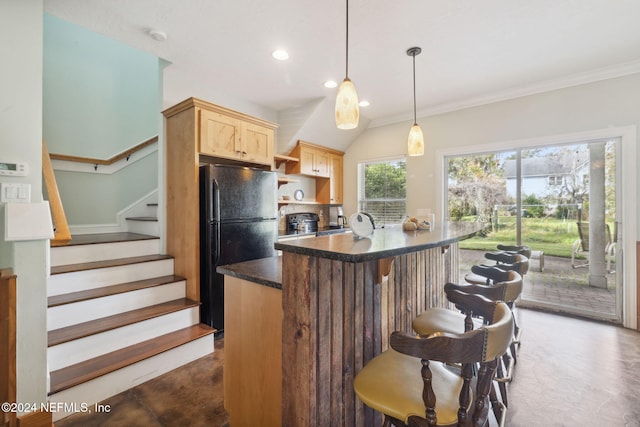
(560, 200)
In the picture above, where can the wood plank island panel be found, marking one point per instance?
(341, 297)
(338, 315)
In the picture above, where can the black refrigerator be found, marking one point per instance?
(238, 222)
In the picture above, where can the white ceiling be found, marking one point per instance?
(473, 51)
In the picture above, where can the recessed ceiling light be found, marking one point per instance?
(280, 55)
(330, 84)
(364, 103)
(158, 35)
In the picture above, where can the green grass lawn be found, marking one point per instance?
(553, 236)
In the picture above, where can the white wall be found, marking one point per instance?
(600, 105)
(21, 140)
(591, 109)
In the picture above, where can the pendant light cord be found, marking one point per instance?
(346, 71)
(415, 120)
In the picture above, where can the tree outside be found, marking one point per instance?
(555, 195)
(385, 191)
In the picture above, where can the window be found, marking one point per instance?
(382, 190)
(555, 180)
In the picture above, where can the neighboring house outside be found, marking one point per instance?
(557, 177)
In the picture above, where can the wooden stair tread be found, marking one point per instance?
(93, 368)
(68, 268)
(93, 239)
(142, 218)
(104, 291)
(80, 330)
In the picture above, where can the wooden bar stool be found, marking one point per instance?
(441, 319)
(516, 249)
(489, 275)
(406, 386)
(504, 260)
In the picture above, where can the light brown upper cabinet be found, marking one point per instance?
(233, 138)
(335, 183)
(323, 164)
(196, 131)
(314, 160)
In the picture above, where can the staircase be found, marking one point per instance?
(145, 220)
(117, 316)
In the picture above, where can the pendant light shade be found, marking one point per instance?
(347, 109)
(415, 143)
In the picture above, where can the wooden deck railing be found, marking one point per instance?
(7, 344)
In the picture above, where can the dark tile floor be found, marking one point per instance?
(191, 395)
(570, 373)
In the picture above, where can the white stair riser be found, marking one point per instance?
(123, 379)
(76, 351)
(84, 311)
(64, 255)
(150, 228)
(90, 279)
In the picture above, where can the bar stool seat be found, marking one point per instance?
(407, 385)
(391, 384)
(443, 320)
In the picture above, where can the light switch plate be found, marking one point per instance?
(15, 192)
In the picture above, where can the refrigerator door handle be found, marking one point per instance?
(216, 200)
(216, 238)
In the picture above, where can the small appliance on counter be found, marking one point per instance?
(361, 224)
(302, 222)
(336, 217)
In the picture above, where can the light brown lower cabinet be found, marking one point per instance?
(252, 353)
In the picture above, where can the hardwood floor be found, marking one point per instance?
(571, 372)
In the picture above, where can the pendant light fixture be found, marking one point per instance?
(347, 109)
(416, 139)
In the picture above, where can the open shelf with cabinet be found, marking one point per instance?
(280, 159)
(285, 180)
(324, 165)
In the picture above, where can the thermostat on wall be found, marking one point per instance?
(13, 168)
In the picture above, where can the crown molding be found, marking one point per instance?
(605, 73)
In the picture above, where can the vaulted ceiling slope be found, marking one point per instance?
(473, 52)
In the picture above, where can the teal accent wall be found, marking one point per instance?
(100, 98)
(94, 199)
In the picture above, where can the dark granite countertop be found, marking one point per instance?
(266, 271)
(322, 231)
(383, 243)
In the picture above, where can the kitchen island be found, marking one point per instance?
(294, 349)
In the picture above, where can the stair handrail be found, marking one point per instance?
(105, 162)
(8, 344)
(61, 232)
